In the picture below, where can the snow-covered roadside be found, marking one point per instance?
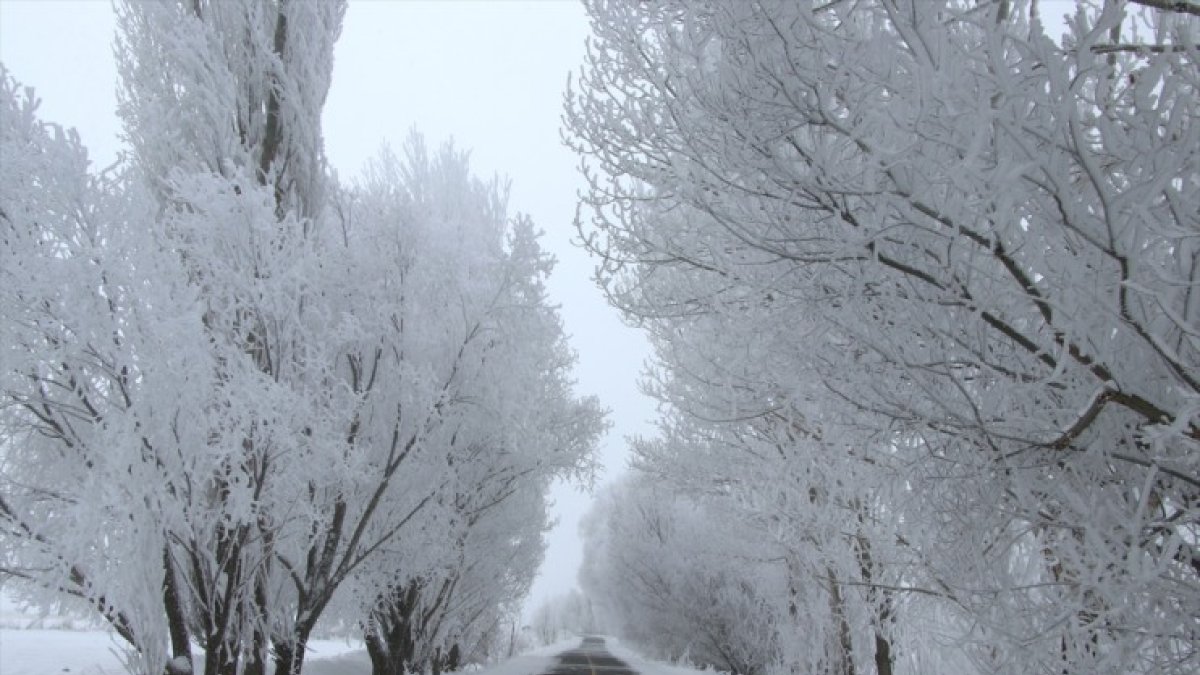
(646, 667)
(356, 662)
(55, 652)
(59, 652)
(77, 652)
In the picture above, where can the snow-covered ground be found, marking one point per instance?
(90, 652)
(80, 652)
(647, 667)
(356, 662)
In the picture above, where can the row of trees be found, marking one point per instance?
(683, 580)
(238, 396)
(922, 283)
(563, 617)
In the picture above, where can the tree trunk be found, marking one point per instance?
(256, 663)
(883, 655)
(219, 659)
(181, 644)
(881, 602)
(390, 634)
(843, 657)
(289, 654)
(388, 656)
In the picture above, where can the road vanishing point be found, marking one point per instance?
(590, 658)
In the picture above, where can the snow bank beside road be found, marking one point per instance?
(69, 652)
(95, 652)
(60, 652)
(646, 667)
(536, 662)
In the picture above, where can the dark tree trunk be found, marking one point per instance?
(445, 663)
(881, 602)
(219, 659)
(843, 658)
(391, 644)
(883, 655)
(181, 644)
(289, 654)
(390, 655)
(256, 663)
(289, 657)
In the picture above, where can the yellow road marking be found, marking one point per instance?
(591, 666)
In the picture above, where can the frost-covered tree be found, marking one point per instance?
(503, 419)
(221, 104)
(235, 387)
(86, 383)
(941, 264)
(563, 617)
(676, 576)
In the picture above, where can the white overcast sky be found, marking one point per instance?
(489, 73)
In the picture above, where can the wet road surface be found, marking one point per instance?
(590, 658)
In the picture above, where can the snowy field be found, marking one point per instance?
(55, 652)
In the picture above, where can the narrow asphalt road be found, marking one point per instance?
(590, 658)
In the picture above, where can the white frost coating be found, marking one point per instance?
(236, 396)
(924, 290)
(223, 87)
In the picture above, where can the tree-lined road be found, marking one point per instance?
(591, 658)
